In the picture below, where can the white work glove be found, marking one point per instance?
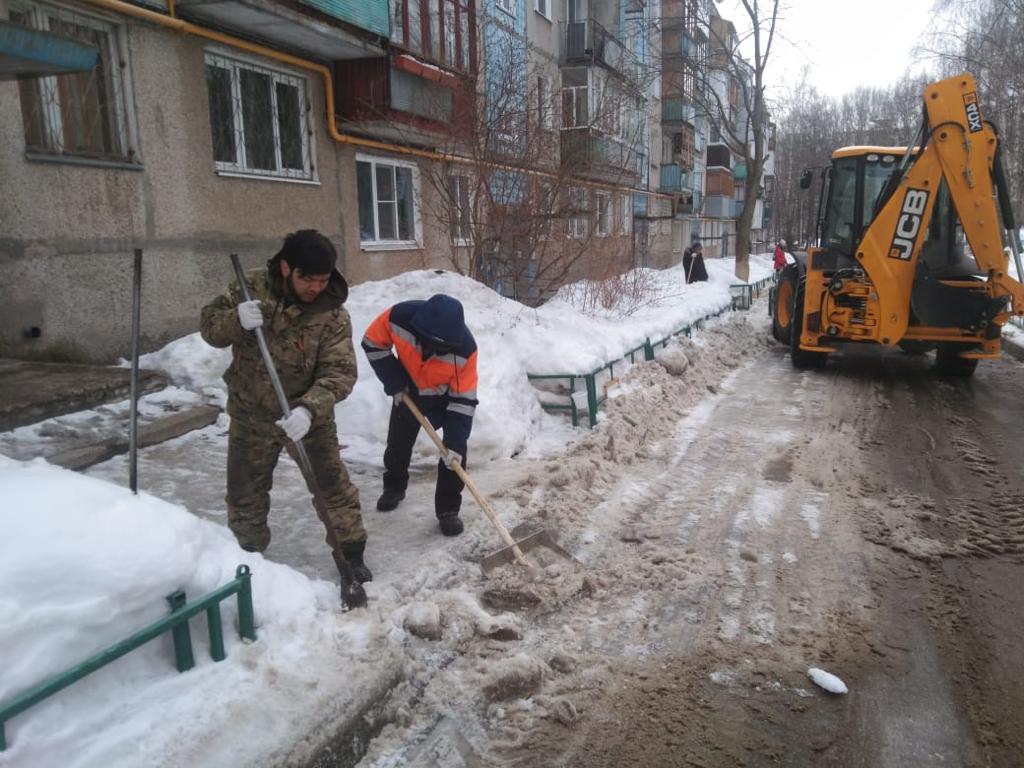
(250, 315)
(397, 397)
(452, 458)
(297, 424)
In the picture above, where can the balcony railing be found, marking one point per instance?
(674, 178)
(677, 110)
(679, 39)
(589, 151)
(587, 42)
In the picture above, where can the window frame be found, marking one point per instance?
(415, 32)
(578, 216)
(543, 14)
(602, 221)
(545, 104)
(378, 244)
(459, 183)
(124, 127)
(626, 213)
(234, 64)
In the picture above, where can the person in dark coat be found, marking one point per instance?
(693, 263)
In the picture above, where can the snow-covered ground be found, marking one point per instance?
(85, 563)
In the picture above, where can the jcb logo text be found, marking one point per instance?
(908, 224)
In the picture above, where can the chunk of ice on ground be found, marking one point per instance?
(826, 680)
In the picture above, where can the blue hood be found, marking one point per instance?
(441, 320)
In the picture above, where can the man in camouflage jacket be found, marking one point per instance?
(298, 300)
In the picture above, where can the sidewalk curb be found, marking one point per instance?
(31, 392)
(158, 431)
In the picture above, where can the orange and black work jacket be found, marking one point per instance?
(437, 380)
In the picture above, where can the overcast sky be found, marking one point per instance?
(846, 43)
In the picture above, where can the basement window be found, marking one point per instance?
(259, 120)
(83, 114)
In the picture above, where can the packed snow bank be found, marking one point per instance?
(84, 564)
(562, 336)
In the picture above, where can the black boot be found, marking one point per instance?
(352, 593)
(389, 500)
(450, 524)
(353, 551)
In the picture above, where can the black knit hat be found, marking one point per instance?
(309, 251)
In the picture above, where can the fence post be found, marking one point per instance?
(648, 349)
(216, 633)
(183, 657)
(246, 620)
(592, 399)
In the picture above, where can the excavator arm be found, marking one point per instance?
(875, 299)
(960, 148)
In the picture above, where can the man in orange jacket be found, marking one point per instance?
(424, 349)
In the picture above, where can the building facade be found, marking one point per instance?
(702, 111)
(206, 129)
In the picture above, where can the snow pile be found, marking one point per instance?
(85, 564)
(513, 339)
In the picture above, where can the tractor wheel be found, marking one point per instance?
(802, 358)
(782, 304)
(949, 363)
(913, 347)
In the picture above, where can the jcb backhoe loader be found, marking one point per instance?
(911, 246)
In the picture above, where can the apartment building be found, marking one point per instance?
(204, 129)
(702, 113)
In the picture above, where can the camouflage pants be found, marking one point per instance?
(253, 450)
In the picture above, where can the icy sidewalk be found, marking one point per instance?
(316, 675)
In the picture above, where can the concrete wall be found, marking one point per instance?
(67, 231)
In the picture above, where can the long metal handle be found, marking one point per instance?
(458, 470)
(275, 380)
(133, 419)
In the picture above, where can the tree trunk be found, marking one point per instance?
(742, 269)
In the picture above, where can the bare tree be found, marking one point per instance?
(734, 97)
(533, 180)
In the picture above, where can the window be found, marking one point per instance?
(541, 7)
(574, 107)
(436, 29)
(85, 113)
(508, 6)
(545, 207)
(388, 192)
(603, 200)
(626, 210)
(577, 212)
(545, 110)
(459, 213)
(258, 120)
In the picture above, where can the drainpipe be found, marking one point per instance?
(185, 27)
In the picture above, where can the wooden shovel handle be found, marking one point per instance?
(458, 470)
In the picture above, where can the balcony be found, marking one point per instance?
(679, 39)
(293, 28)
(674, 178)
(718, 206)
(676, 109)
(587, 42)
(589, 152)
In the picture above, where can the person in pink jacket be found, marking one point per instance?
(780, 255)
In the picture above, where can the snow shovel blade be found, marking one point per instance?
(506, 555)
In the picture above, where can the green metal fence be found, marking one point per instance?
(176, 623)
(742, 297)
